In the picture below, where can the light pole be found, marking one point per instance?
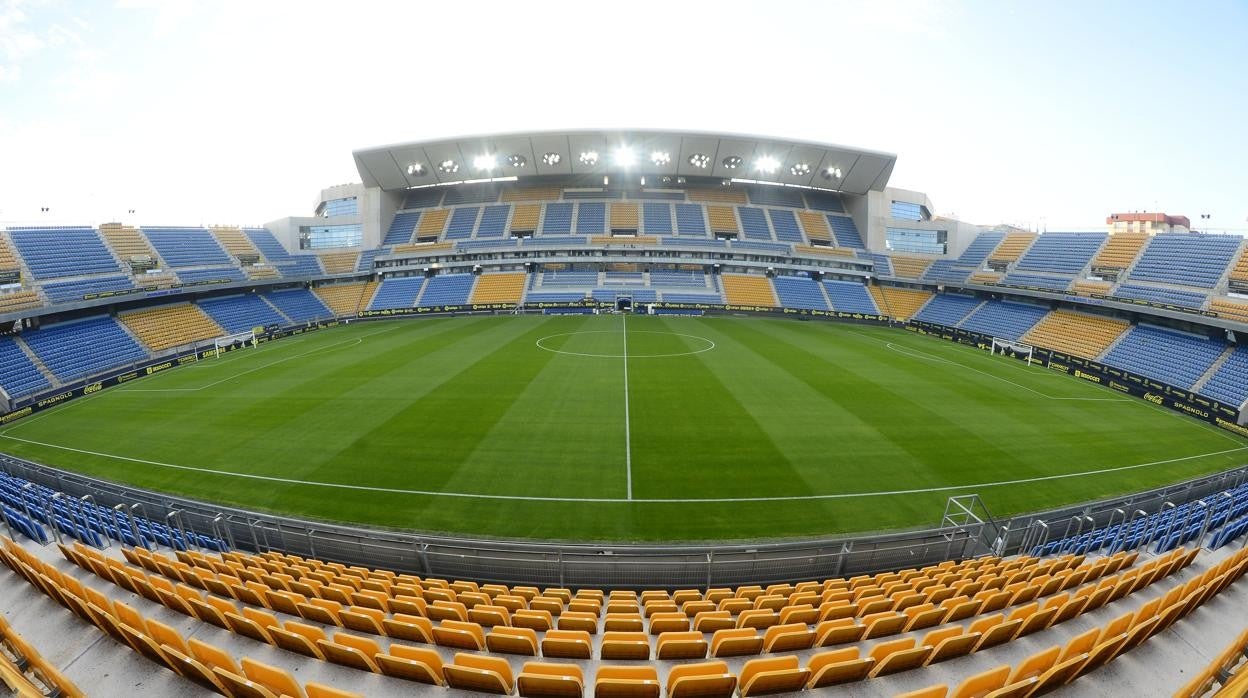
(1206, 217)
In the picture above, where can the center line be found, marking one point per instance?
(628, 441)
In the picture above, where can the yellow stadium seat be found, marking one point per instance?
(703, 680)
(544, 680)
(772, 675)
(626, 682)
(412, 663)
(473, 672)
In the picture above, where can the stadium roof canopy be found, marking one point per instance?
(637, 152)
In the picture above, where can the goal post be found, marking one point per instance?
(1017, 350)
(231, 341)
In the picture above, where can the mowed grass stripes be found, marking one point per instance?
(737, 429)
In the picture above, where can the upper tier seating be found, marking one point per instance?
(54, 252)
(681, 297)
(12, 301)
(722, 219)
(947, 271)
(290, 265)
(494, 221)
(897, 302)
(678, 277)
(211, 274)
(1004, 319)
(76, 350)
(397, 292)
(785, 224)
(1086, 336)
(776, 196)
(447, 289)
(241, 313)
(402, 228)
(690, 219)
(531, 193)
(1121, 251)
(1229, 384)
(8, 260)
(1186, 259)
(346, 299)
(525, 218)
(463, 222)
(499, 288)
(721, 195)
(1012, 247)
(169, 326)
(471, 194)
(187, 247)
(70, 291)
(850, 297)
(656, 218)
(754, 223)
(18, 374)
(558, 219)
(1233, 310)
(569, 278)
(846, 232)
(591, 218)
(126, 241)
(800, 292)
(298, 304)
(339, 262)
(366, 260)
(1061, 253)
(909, 267)
(743, 289)
(427, 197)
(1171, 357)
(432, 223)
(234, 241)
(1239, 272)
(948, 309)
(1157, 294)
(625, 217)
(816, 226)
(824, 201)
(1051, 283)
(980, 248)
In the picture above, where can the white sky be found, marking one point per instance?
(1041, 114)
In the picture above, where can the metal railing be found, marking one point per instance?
(610, 565)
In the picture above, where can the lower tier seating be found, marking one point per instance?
(346, 299)
(1086, 336)
(1172, 357)
(898, 302)
(169, 326)
(743, 289)
(499, 288)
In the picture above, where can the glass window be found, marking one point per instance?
(906, 211)
(319, 237)
(914, 240)
(340, 207)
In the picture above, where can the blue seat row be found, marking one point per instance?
(846, 232)
(948, 309)
(397, 292)
(69, 251)
(1061, 253)
(753, 223)
(557, 219)
(1005, 319)
(1186, 259)
(290, 265)
(850, 297)
(569, 278)
(18, 374)
(402, 228)
(1229, 384)
(448, 289)
(299, 304)
(784, 222)
(591, 218)
(79, 349)
(1172, 296)
(187, 247)
(800, 292)
(1052, 283)
(677, 277)
(70, 291)
(1172, 357)
(656, 219)
(241, 313)
(494, 221)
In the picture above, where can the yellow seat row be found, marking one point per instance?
(898, 302)
(748, 289)
(126, 241)
(1229, 309)
(234, 240)
(340, 262)
(909, 267)
(1086, 336)
(171, 325)
(1120, 251)
(1012, 247)
(499, 288)
(346, 299)
(19, 300)
(1084, 287)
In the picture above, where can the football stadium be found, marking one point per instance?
(668, 350)
(690, 412)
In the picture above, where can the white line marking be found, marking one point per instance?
(924, 356)
(711, 500)
(710, 345)
(349, 342)
(628, 439)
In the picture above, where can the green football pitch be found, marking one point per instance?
(612, 428)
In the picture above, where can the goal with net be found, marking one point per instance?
(231, 342)
(1017, 350)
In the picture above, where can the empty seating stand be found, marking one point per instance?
(850, 297)
(81, 289)
(57, 252)
(1229, 384)
(77, 350)
(402, 228)
(241, 313)
(1173, 357)
(1161, 294)
(299, 304)
(800, 292)
(187, 247)
(448, 289)
(18, 374)
(1004, 319)
(1186, 259)
(1061, 253)
(397, 292)
(290, 265)
(948, 309)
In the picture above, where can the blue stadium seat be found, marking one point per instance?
(754, 223)
(402, 228)
(1051, 283)
(366, 260)
(656, 218)
(426, 197)
(1186, 259)
(494, 221)
(463, 222)
(1157, 294)
(397, 292)
(947, 271)
(850, 297)
(448, 289)
(1005, 319)
(679, 297)
(554, 297)
(18, 374)
(846, 232)
(1229, 384)
(187, 247)
(690, 219)
(71, 251)
(948, 309)
(776, 196)
(557, 219)
(1061, 253)
(471, 194)
(799, 292)
(299, 304)
(883, 263)
(241, 313)
(785, 224)
(290, 265)
(1169, 356)
(82, 348)
(70, 291)
(677, 278)
(569, 278)
(591, 218)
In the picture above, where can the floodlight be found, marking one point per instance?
(484, 162)
(766, 164)
(660, 158)
(448, 166)
(800, 169)
(517, 160)
(624, 157)
(589, 157)
(732, 162)
(552, 159)
(415, 169)
(700, 160)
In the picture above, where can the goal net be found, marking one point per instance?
(234, 341)
(1016, 350)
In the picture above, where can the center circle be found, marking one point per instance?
(631, 354)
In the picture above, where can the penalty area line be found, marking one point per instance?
(604, 500)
